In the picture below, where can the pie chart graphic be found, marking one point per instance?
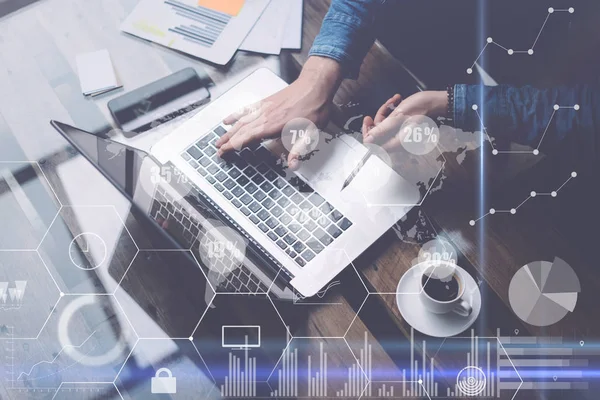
(542, 293)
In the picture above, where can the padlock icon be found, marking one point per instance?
(164, 384)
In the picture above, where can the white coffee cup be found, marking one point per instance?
(443, 289)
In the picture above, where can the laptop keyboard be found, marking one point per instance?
(170, 213)
(290, 214)
(228, 275)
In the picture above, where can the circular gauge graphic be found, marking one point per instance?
(542, 293)
(93, 248)
(471, 381)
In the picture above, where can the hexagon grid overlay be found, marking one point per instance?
(150, 361)
(28, 294)
(85, 242)
(329, 302)
(172, 312)
(85, 340)
(249, 339)
(477, 374)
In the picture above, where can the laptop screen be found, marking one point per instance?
(165, 196)
(117, 161)
(139, 177)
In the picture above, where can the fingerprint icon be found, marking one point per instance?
(471, 381)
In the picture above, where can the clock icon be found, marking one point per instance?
(93, 248)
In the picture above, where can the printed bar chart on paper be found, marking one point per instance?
(204, 25)
(208, 29)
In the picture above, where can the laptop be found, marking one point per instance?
(296, 230)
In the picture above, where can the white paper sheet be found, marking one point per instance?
(267, 34)
(185, 26)
(292, 34)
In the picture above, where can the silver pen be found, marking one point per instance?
(357, 169)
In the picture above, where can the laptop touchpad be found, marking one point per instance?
(325, 166)
(377, 185)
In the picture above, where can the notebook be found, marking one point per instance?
(96, 73)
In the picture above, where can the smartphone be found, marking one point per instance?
(158, 102)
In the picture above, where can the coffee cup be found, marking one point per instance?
(443, 289)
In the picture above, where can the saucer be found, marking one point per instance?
(416, 315)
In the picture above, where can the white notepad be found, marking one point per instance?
(96, 72)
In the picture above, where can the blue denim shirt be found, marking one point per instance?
(527, 115)
(523, 115)
(347, 33)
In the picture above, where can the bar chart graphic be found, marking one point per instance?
(287, 375)
(457, 367)
(436, 376)
(12, 297)
(305, 369)
(241, 379)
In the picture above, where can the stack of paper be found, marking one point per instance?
(96, 73)
(279, 27)
(215, 29)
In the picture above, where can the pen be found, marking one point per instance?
(357, 169)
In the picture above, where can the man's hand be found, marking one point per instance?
(384, 129)
(309, 97)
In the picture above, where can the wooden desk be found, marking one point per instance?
(37, 74)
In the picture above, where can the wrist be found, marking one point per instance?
(439, 103)
(323, 75)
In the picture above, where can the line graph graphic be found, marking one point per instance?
(28, 374)
(529, 51)
(535, 151)
(533, 194)
(318, 299)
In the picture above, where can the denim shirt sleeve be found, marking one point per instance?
(347, 33)
(527, 115)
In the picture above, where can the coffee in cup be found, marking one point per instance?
(443, 288)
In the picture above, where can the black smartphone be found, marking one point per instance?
(158, 102)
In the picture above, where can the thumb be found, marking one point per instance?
(302, 146)
(368, 124)
(299, 149)
(387, 128)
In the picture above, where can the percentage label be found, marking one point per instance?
(180, 177)
(219, 249)
(222, 250)
(438, 252)
(419, 135)
(167, 174)
(436, 258)
(300, 136)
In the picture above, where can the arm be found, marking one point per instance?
(344, 39)
(526, 115)
(347, 33)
